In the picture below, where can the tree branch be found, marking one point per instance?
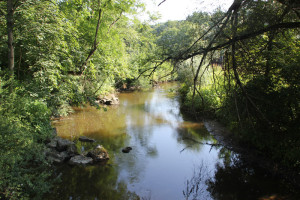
(287, 25)
(114, 22)
(95, 44)
(162, 2)
(153, 68)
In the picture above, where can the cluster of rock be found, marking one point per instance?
(108, 100)
(65, 151)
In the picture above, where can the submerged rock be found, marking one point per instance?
(80, 160)
(126, 149)
(86, 139)
(99, 154)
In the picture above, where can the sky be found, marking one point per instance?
(180, 9)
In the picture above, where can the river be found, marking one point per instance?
(172, 157)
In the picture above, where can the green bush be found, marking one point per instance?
(24, 127)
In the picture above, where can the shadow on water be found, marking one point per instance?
(233, 179)
(171, 158)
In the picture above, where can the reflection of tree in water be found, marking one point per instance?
(94, 182)
(235, 180)
(195, 187)
(193, 136)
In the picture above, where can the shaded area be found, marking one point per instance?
(236, 180)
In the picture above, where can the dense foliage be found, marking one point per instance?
(242, 66)
(55, 55)
(24, 126)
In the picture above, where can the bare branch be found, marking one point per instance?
(204, 143)
(161, 2)
(114, 22)
(287, 25)
(153, 68)
(206, 52)
(213, 26)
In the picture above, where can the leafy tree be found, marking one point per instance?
(61, 53)
(254, 44)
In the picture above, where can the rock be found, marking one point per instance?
(126, 149)
(113, 101)
(109, 100)
(99, 154)
(80, 160)
(72, 150)
(55, 156)
(52, 144)
(65, 155)
(86, 139)
(63, 144)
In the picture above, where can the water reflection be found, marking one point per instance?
(169, 154)
(91, 183)
(234, 179)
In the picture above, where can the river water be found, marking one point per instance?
(172, 157)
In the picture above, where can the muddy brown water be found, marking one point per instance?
(171, 158)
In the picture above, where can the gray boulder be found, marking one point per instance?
(80, 160)
(52, 144)
(63, 144)
(65, 155)
(72, 150)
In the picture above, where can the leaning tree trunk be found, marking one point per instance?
(10, 23)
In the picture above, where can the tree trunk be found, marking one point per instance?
(95, 45)
(10, 24)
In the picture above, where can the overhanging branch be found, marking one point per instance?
(287, 25)
(161, 2)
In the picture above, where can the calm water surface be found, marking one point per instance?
(168, 161)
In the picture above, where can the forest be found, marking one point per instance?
(239, 66)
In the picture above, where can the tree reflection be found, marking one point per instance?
(194, 135)
(234, 179)
(93, 182)
(195, 187)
